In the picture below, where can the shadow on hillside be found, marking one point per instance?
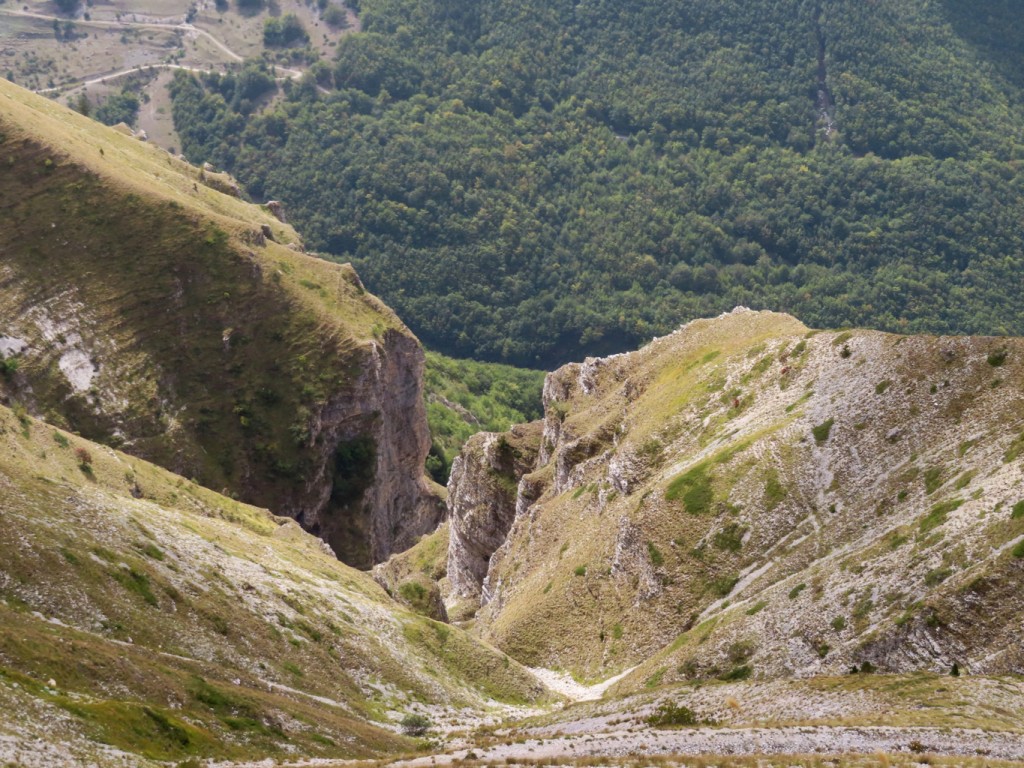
(995, 29)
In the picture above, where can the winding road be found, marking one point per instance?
(187, 28)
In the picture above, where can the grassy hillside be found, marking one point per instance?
(747, 498)
(533, 182)
(146, 309)
(141, 612)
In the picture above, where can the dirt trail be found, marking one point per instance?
(565, 685)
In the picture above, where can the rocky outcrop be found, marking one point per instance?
(367, 496)
(483, 499)
(754, 498)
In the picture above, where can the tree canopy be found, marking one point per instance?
(531, 182)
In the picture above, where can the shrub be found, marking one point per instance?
(997, 358)
(651, 452)
(84, 459)
(1018, 510)
(580, 570)
(670, 713)
(863, 608)
(881, 386)
(822, 431)
(937, 576)
(415, 725)
(730, 538)
(737, 673)
(1018, 551)
(412, 591)
(740, 651)
(335, 17)
(794, 593)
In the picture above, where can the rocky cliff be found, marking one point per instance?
(746, 497)
(483, 491)
(143, 309)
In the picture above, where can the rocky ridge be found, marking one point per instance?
(746, 497)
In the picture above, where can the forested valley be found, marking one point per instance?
(531, 182)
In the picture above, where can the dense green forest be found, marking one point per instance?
(465, 397)
(530, 181)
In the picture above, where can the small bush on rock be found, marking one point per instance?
(670, 713)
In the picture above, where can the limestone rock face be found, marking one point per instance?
(380, 421)
(483, 493)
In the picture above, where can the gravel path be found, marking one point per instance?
(752, 741)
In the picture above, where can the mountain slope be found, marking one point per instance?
(144, 613)
(143, 308)
(535, 182)
(747, 497)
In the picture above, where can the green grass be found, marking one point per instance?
(137, 582)
(694, 488)
(117, 692)
(933, 479)
(465, 397)
(1015, 449)
(963, 481)
(938, 514)
(774, 491)
(657, 558)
